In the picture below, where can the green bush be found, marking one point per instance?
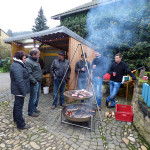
(7, 64)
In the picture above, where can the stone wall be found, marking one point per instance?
(141, 118)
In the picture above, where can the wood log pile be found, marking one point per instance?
(110, 114)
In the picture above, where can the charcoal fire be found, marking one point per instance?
(69, 113)
(78, 112)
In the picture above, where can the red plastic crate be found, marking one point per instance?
(124, 113)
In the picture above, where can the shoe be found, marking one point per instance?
(110, 106)
(27, 126)
(106, 103)
(53, 106)
(37, 111)
(34, 114)
(63, 105)
(82, 101)
(99, 108)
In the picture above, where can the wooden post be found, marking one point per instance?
(15, 48)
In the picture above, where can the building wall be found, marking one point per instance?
(5, 48)
(141, 112)
(3, 35)
(73, 45)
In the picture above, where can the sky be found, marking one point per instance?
(20, 15)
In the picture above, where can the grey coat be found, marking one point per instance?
(34, 69)
(20, 83)
(56, 66)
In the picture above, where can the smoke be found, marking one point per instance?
(112, 24)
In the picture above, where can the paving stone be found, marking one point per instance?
(48, 133)
(34, 145)
(111, 146)
(143, 147)
(75, 146)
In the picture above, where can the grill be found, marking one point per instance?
(78, 112)
(80, 115)
(78, 94)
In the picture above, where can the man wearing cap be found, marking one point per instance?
(58, 69)
(82, 71)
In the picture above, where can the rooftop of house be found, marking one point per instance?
(3, 31)
(84, 7)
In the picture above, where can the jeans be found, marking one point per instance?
(17, 111)
(97, 84)
(61, 91)
(82, 83)
(114, 88)
(35, 92)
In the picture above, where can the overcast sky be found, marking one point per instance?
(19, 15)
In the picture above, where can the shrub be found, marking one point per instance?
(7, 64)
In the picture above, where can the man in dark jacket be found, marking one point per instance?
(58, 69)
(99, 68)
(117, 71)
(35, 75)
(20, 86)
(82, 72)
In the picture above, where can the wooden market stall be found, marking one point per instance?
(50, 42)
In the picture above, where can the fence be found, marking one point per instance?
(146, 93)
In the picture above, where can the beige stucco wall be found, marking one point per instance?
(3, 35)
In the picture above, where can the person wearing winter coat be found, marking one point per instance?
(35, 76)
(20, 87)
(58, 70)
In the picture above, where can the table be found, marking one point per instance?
(127, 87)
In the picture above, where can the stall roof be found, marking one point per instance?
(57, 37)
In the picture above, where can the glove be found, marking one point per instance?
(134, 78)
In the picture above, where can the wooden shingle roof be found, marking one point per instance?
(84, 7)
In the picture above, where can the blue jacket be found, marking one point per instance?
(101, 66)
(20, 84)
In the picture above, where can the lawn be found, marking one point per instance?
(1, 70)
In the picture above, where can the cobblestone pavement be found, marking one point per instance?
(47, 133)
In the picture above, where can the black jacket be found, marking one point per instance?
(20, 84)
(34, 69)
(121, 69)
(55, 68)
(101, 66)
(79, 65)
